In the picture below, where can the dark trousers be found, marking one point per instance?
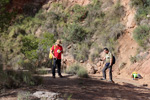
(110, 71)
(56, 62)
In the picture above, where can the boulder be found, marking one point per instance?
(47, 95)
(24, 95)
(91, 69)
(38, 95)
(81, 61)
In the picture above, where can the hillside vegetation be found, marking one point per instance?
(75, 24)
(142, 32)
(25, 43)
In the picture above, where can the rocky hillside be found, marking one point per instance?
(86, 27)
(133, 56)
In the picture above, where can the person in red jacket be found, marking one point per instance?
(57, 51)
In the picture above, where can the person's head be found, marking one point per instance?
(106, 50)
(134, 72)
(58, 42)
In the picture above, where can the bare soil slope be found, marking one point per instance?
(128, 47)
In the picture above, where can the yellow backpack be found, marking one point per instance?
(50, 54)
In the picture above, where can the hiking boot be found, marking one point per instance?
(102, 79)
(111, 81)
(60, 76)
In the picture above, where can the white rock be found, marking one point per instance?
(148, 16)
(47, 95)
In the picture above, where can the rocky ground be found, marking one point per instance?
(73, 88)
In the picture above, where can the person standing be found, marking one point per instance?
(108, 65)
(57, 51)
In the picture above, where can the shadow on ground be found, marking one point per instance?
(87, 89)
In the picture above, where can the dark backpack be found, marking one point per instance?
(114, 60)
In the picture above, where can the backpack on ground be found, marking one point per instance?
(50, 54)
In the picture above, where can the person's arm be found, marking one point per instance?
(111, 59)
(103, 59)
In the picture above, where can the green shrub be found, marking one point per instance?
(93, 56)
(81, 52)
(142, 35)
(136, 58)
(28, 65)
(133, 59)
(75, 33)
(47, 41)
(137, 2)
(56, 7)
(16, 31)
(140, 3)
(41, 16)
(28, 24)
(147, 3)
(141, 14)
(73, 69)
(116, 31)
(94, 12)
(30, 46)
(122, 65)
(96, 50)
(143, 9)
(12, 79)
(23, 96)
(118, 10)
(78, 70)
(139, 57)
(82, 72)
(54, 16)
(79, 13)
(54, 22)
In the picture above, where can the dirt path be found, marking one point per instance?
(84, 89)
